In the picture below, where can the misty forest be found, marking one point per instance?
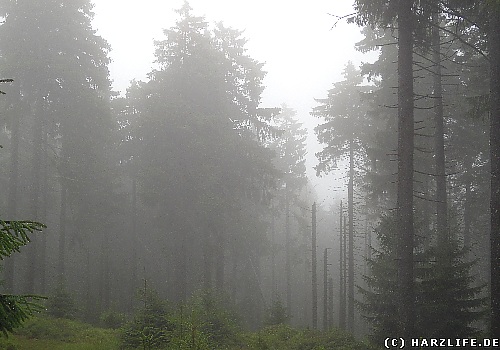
(179, 215)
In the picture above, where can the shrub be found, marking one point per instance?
(211, 315)
(112, 319)
(62, 304)
(151, 327)
(276, 314)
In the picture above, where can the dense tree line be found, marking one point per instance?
(171, 183)
(188, 183)
(426, 162)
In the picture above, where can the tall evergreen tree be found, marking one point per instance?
(290, 151)
(61, 65)
(345, 131)
(201, 161)
(447, 304)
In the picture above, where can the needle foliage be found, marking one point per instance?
(15, 309)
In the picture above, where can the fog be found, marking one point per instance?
(212, 174)
(289, 38)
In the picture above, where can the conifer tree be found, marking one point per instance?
(60, 64)
(345, 131)
(202, 167)
(447, 302)
(15, 309)
(290, 151)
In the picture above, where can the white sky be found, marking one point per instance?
(303, 54)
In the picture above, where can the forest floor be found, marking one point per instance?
(57, 334)
(45, 333)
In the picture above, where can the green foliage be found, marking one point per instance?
(447, 303)
(62, 304)
(112, 319)
(285, 337)
(14, 234)
(15, 309)
(194, 132)
(49, 333)
(202, 323)
(450, 302)
(276, 314)
(42, 333)
(151, 328)
(7, 345)
(211, 316)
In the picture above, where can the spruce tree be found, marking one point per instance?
(447, 302)
(203, 171)
(60, 66)
(15, 309)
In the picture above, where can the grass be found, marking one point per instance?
(44, 333)
(285, 337)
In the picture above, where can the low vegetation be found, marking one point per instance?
(45, 332)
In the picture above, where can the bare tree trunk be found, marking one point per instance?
(406, 305)
(330, 303)
(350, 195)
(42, 268)
(12, 199)
(344, 282)
(61, 264)
(134, 278)
(32, 248)
(105, 284)
(235, 275)
(273, 255)
(468, 203)
(181, 267)
(314, 276)
(207, 261)
(441, 199)
(288, 270)
(325, 290)
(220, 256)
(342, 320)
(494, 55)
(90, 308)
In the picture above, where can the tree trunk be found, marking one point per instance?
(330, 303)
(89, 300)
(181, 267)
(350, 195)
(288, 270)
(441, 200)
(219, 262)
(314, 277)
(207, 261)
(32, 248)
(236, 281)
(494, 56)
(43, 239)
(468, 203)
(134, 278)
(325, 290)
(344, 282)
(273, 255)
(342, 320)
(61, 264)
(406, 303)
(105, 284)
(12, 199)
